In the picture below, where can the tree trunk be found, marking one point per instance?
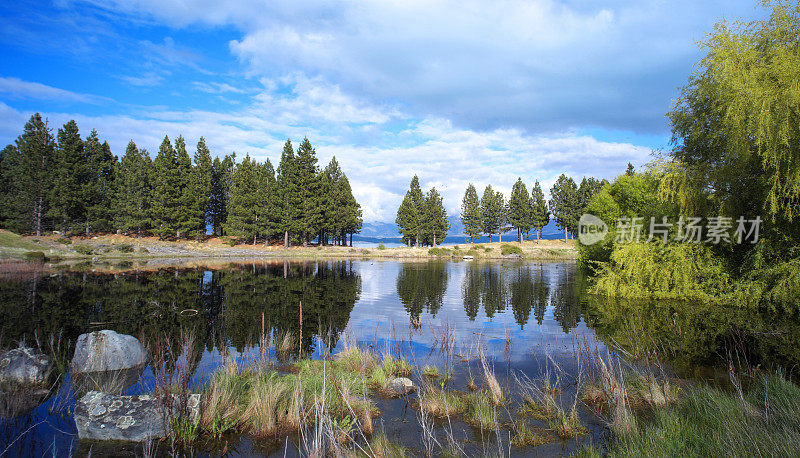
(565, 235)
(490, 238)
(434, 239)
(500, 237)
(286, 239)
(351, 239)
(519, 235)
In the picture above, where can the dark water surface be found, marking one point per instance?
(526, 317)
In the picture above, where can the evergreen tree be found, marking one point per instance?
(493, 211)
(66, 199)
(165, 193)
(132, 184)
(520, 209)
(268, 218)
(327, 200)
(99, 184)
(540, 215)
(186, 213)
(418, 199)
(30, 176)
(565, 204)
(288, 192)
(7, 156)
(407, 219)
(587, 189)
(434, 222)
(352, 221)
(222, 173)
(201, 184)
(631, 170)
(471, 213)
(308, 185)
(243, 207)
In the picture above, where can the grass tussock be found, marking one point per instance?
(763, 421)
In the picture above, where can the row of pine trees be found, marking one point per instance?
(76, 185)
(493, 214)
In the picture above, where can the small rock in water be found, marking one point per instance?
(400, 386)
(25, 366)
(107, 350)
(107, 417)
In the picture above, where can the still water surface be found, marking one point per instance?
(526, 317)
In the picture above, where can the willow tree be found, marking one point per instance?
(735, 128)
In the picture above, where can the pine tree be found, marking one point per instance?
(406, 220)
(631, 170)
(186, 218)
(587, 189)
(434, 222)
(493, 212)
(564, 204)
(222, 172)
(66, 202)
(201, 178)
(540, 215)
(31, 176)
(418, 199)
(352, 218)
(243, 206)
(327, 202)
(308, 191)
(7, 156)
(132, 195)
(288, 192)
(99, 184)
(519, 209)
(471, 213)
(165, 193)
(268, 218)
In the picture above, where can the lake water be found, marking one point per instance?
(526, 317)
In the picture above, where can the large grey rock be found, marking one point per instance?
(399, 386)
(107, 417)
(102, 351)
(25, 366)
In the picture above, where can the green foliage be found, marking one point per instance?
(133, 190)
(381, 246)
(471, 213)
(540, 215)
(672, 271)
(565, 204)
(434, 222)
(506, 249)
(709, 422)
(36, 256)
(97, 186)
(69, 172)
(436, 251)
(124, 248)
(493, 211)
(520, 209)
(410, 214)
(64, 240)
(165, 195)
(85, 250)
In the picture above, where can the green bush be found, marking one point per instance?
(37, 256)
(506, 250)
(64, 240)
(436, 251)
(230, 241)
(487, 249)
(83, 249)
(125, 248)
(381, 246)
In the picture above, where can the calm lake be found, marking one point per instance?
(527, 318)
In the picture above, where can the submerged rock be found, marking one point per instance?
(102, 351)
(104, 417)
(399, 386)
(25, 366)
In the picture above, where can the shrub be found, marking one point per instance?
(64, 240)
(36, 256)
(85, 250)
(125, 248)
(381, 246)
(230, 241)
(506, 250)
(436, 251)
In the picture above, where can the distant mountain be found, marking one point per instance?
(380, 230)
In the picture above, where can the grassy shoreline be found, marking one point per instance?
(121, 247)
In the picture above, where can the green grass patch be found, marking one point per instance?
(765, 421)
(85, 250)
(506, 250)
(436, 251)
(12, 240)
(35, 256)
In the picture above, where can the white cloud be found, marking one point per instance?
(17, 88)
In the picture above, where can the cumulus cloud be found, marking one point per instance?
(539, 65)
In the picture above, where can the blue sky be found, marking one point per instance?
(454, 91)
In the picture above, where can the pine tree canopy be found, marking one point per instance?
(471, 213)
